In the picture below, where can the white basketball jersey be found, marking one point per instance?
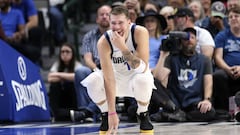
(120, 65)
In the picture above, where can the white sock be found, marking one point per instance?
(142, 108)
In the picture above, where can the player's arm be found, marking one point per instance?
(139, 60)
(107, 69)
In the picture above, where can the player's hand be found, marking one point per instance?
(113, 122)
(118, 40)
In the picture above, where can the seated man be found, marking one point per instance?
(187, 76)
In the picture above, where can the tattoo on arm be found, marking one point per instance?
(132, 60)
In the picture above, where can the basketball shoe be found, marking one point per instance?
(104, 123)
(145, 123)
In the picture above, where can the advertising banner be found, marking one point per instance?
(23, 95)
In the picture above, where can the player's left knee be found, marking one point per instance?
(143, 95)
(141, 79)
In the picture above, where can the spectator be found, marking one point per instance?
(62, 97)
(133, 4)
(133, 13)
(168, 11)
(13, 25)
(215, 23)
(227, 59)
(91, 59)
(134, 10)
(184, 18)
(198, 11)
(177, 3)
(187, 77)
(155, 24)
(206, 6)
(233, 3)
(33, 43)
(151, 5)
(117, 3)
(124, 71)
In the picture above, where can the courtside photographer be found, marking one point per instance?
(183, 80)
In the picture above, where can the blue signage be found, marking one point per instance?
(23, 95)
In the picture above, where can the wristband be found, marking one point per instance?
(95, 69)
(112, 113)
(141, 67)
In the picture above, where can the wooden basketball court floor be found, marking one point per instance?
(163, 128)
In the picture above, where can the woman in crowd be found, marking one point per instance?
(155, 24)
(61, 78)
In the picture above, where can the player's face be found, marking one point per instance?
(119, 23)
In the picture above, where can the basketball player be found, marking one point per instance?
(124, 55)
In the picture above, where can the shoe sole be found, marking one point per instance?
(102, 132)
(141, 131)
(147, 131)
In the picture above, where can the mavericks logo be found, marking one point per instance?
(187, 77)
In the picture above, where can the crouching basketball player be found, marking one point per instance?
(124, 54)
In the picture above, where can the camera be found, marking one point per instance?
(173, 41)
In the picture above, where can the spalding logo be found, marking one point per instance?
(22, 68)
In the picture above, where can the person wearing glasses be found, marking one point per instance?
(62, 96)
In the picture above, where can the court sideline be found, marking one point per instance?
(164, 128)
